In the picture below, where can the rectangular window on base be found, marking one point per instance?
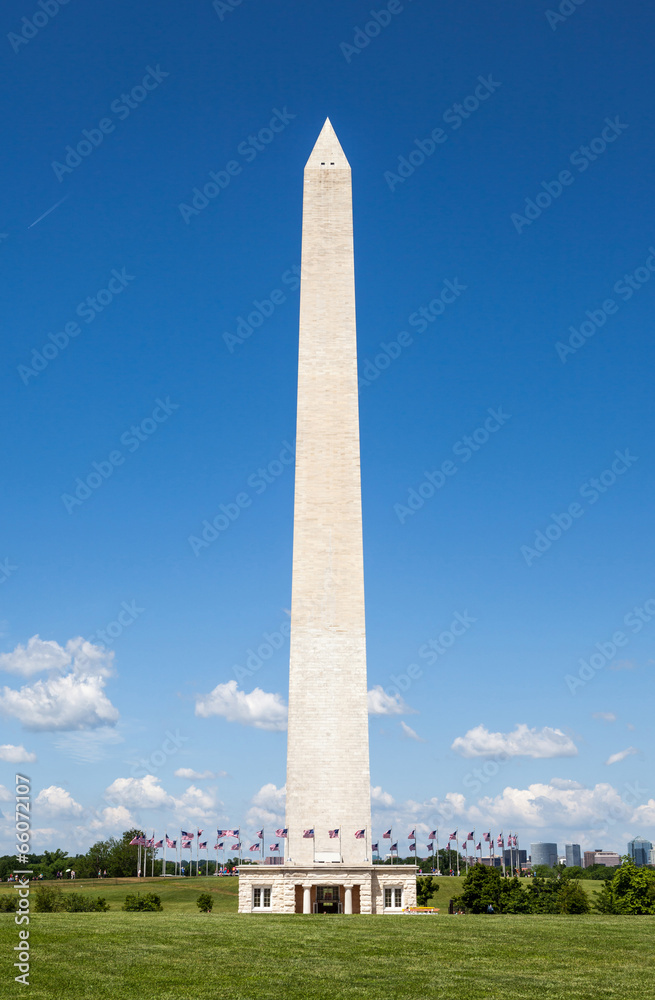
(393, 898)
(261, 898)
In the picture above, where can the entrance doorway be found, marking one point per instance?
(328, 899)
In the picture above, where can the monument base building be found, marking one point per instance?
(326, 888)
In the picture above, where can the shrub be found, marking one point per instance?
(8, 904)
(76, 902)
(150, 901)
(48, 899)
(205, 902)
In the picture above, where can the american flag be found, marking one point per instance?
(142, 841)
(487, 837)
(221, 833)
(220, 846)
(160, 843)
(135, 840)
(203, 846)
(500, 840)
(236, 847)
(453, 836)
(360, 834)
(412, 847)
(411, 835)
(199, 834)
(394, 847)
(433, 835)
(282, 833)
(255, 847)
(169, 842)
(430, 846)
(274, 847)
(478, 846)
(387, 835)
(376, 848)
(260, 835)
(231, 833)
(333, 834)
(186, 843)
(515, 841)
(185, 836)
(470, 836)
(151, 842)
(308, 834)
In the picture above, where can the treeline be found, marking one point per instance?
(114, 856)
(629, 890)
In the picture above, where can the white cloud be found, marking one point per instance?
(38, 655)
(381, 703)
(268, 805)
(605, 716)
(548, 806)
(622, 665)
(615, 758)
(644, 815)
(522, 742)
(117, 818)
(147, 793)
(195, 803)
(380, 798)
(16, 755)
(139, 793)
(410, 733)
(565, 783)
(188, 772)
(5, 795)
(260, 709)
(70, 700)
(88, 746)
(56, 801)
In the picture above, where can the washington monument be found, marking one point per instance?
(328, 839)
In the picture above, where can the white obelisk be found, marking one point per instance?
(328, 779)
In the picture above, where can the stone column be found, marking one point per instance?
(348, 901)
(307, 898)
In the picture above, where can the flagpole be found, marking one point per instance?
(390, 844)
(153, 854)
(502, 847)
(438, 868)
(457, 851)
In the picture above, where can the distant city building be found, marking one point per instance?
(544, 854)
(516, 857)
(573, 859)
(608, 858)
(588, 859)
(651, 856)
(639, 850)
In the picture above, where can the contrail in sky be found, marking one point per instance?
(56, 205)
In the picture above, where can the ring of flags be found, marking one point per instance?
(187, 838)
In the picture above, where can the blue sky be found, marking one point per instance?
(506, 155)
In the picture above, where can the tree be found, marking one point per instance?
(631, 890)
(482, 888)
(426, 886)
(571, 898)
(205, 902)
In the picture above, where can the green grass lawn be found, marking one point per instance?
(178, 894)
(177, 955)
